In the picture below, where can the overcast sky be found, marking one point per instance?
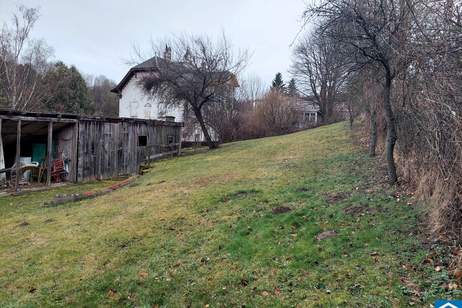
(97, 35)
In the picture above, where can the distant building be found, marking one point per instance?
(307, 111)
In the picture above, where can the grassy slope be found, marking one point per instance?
(200, 230)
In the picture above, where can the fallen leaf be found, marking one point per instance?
(112, 294)
(453, 286)
(458, 274)
(143, 275)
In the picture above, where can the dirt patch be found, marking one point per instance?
(281, 210)
(239, 194)
(303, 190)
(332, 198)
(24, 224)
(326, 235)
(360, 209)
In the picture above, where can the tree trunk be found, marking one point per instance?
(351, 116)
(200, 119)
(323, 100)
(373, 132)
(391, 129)
(330, 107)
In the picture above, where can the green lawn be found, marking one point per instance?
(232, 227)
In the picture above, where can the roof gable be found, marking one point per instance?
(153, 64)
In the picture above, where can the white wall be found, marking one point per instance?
(135, 103)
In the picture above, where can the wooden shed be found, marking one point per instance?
(87, 148)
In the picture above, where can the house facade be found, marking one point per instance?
(135, 103)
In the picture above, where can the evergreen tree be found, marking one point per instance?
(104, 102)
(278, 83)
(69, 92)
(292, 90)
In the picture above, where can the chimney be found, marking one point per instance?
(187, 55)
(168, 53)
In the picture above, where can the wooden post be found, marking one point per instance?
(18, 155)
(99, 149)
(2, 155)
(115, 139)
(181, 137)
(49, 152)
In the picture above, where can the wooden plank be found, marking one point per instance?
(49, 151)
(99, 149)
(178, 139)
(81, 152)
(2, 155)
(115, 147)
(74, 153)
(18, 155)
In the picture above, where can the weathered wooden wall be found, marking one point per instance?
(109, 149)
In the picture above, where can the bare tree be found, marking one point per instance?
(410, 75)
(251, 90)
(376, 30)
(195, 71)
(321, 70)
(274, 115)
(224, 118)
(364, 91)
(22, 60)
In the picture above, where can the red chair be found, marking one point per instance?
(57, 170)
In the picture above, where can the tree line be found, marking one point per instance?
(29, 81)
(399, 64)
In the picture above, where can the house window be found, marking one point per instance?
(171, 139)
(308, 116)
(147, 110)
(133, 109)
(142, 141)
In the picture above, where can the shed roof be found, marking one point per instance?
(66, 117)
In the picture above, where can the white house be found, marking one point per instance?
(134, 102)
